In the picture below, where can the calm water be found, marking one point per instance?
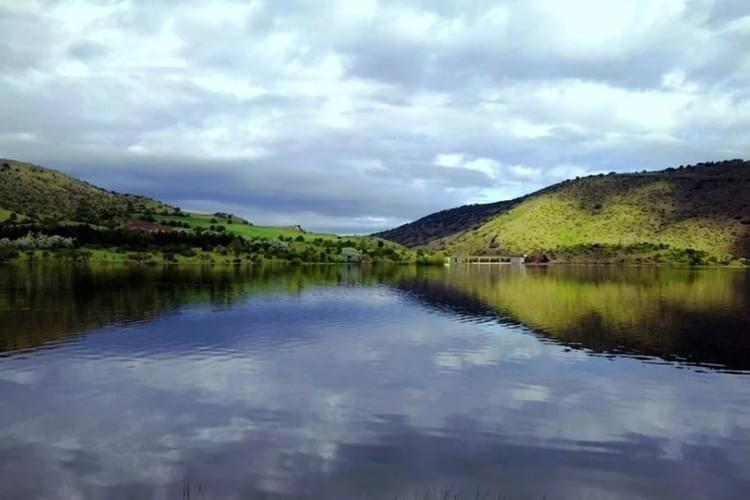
(336, 383)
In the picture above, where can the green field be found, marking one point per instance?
(116, 256)
(196, 257)
(237, 226)
(93, 224)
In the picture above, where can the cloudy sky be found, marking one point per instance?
(355, 116)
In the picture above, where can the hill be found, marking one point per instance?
(697, 212)
(47, 214)
(38, 192)
(444, 223)
(235, 225)
(429, 231)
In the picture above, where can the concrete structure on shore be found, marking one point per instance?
(488, 259)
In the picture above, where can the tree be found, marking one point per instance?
(235, 246)
(350, 254)
(84, 212)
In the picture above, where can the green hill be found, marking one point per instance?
(444, 223)
(35, 193)
(44, 211)
(39, 192)
(696, 213)
(235, 225)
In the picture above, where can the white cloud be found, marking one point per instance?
(287, 100)
(486, 166)
(525, 172)
(449, 159)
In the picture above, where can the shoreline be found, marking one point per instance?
(224, 262)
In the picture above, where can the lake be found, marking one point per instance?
(344, 383)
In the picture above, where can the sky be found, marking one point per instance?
(356, 116)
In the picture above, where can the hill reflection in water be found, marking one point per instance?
(347, 383)
(693, 316)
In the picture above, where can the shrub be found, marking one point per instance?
(435, 259)
(236, 246)
(79, 255)
(537, 257)
(139, 257)
(38, 242)
(7, 253)
(187, 252)
(349, 254)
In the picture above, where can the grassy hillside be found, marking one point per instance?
(240, 227)
(45, 214)
(432, 230)
(444, 223)
(44, 193)
(40, 193)
(657, 215)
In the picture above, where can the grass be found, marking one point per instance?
(238, 227)
(121, 257)
(52, 201)
(44, 193)
(297, 253)
(622, 211)
(434, 227)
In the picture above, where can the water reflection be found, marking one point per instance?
(338, 383)
(48, 304)
(697, 316)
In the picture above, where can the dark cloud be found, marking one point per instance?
(332, 114)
